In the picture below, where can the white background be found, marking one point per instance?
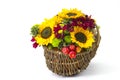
(19, 61)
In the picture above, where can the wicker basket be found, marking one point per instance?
(61, 64)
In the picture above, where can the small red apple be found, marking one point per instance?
(72, 47)
(72, 54)
(65, 50)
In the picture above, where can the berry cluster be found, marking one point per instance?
(71, 50)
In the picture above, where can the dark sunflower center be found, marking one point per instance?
(46, 33)
(71, 14)
(80, 37)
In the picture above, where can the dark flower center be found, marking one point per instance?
(46, 33)
(71, 14)
(80, 37)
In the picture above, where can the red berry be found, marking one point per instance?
(72, 47)
(65, 50)
(72, 54)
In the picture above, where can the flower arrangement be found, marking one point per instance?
(69, 39)
(70, 31)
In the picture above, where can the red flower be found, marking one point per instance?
(33, 39)
(65, 27)
(85, 22)
(74, 23)
(69, 27)
(88, 22)
(57, 30)
(35, 45)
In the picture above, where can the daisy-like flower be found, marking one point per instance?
(84, 38)
(72, 13)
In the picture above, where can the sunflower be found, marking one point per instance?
(46, 33)
(72, 13)
(84, 38)
(57, 19)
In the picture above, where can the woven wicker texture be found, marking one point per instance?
(61, 64)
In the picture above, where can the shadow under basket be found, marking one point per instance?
(62, 64)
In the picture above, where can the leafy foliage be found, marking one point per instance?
(67, 39)
(35, 30)
(55, 42)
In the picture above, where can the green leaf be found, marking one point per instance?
(55, 42)
(35, 30)
(67, 39)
